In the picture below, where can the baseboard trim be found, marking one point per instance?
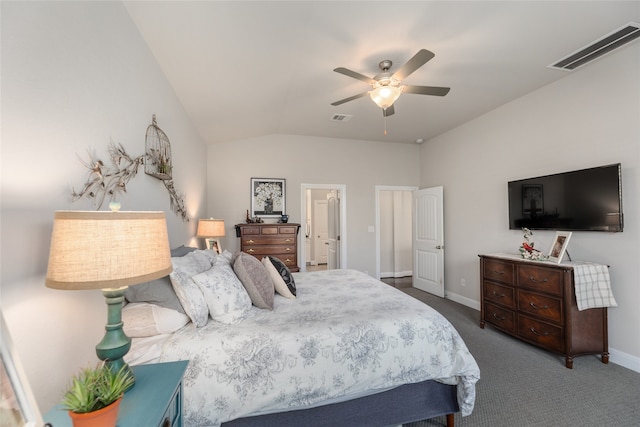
(615, 356)
(463, 300)
(396, 274)
(624, 359)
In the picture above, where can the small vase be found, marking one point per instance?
(105, 417)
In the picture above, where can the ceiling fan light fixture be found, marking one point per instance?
(385, 96)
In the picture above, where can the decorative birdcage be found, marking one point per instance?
(158, 152)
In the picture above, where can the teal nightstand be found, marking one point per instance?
(154, 401)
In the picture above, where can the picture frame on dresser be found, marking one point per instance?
(559, 246)
(268, 197)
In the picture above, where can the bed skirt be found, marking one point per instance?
(404, 404)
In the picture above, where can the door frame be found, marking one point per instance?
(342, 190)
(316, 205)
(378, 189)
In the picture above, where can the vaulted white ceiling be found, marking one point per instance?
(249, 68)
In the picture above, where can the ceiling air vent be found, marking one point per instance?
(340, 118)
(602, 46)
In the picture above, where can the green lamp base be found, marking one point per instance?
(115, 344)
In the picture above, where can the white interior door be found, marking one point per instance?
(428, 241)
(333, 260)
(320, 231)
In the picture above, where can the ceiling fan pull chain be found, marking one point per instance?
(385, 123)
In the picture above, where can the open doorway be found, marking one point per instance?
(394, 237)
(323, 214)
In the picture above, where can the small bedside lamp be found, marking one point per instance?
(209, 229)
(108, 251)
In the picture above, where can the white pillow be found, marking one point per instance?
(226, 298)
(189, 294)
(147, 320)
(278, 282)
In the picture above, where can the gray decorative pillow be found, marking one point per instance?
(189, 294)
(285, 273)
(181, 251)
(255, 279)
(159, 291)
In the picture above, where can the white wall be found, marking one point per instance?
(360, 165)
(589, 118)
(75, 76)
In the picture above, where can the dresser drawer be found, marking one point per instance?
(503, 295)
(500, 317)
(541, 333)
(543, 306)
(271, 240)
(267, 230)
(249, 231)
(498, 271)
(272, 250)
(288, 230)
(540, 278)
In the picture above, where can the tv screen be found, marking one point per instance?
(582, 200)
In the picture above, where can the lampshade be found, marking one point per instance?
(210, 228)
(98, 250)
(385, 96)
(108, 251)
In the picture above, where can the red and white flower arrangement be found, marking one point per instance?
(527, 250)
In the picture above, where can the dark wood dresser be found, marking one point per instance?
(277, 240)
(535, 302)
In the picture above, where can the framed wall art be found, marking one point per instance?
(559, 246)
(268, 197)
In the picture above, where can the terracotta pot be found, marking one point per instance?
(105, 417)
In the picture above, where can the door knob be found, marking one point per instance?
(440, 247)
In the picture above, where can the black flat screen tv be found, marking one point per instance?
(581, 200)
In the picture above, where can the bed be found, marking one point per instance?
(346, 350)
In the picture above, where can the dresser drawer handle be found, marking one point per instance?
(534, 280)
(288, 260)
(288, 249)
(250, 251)
(544, 334)
(251, 241)
(495, 294)
(498, 272)
(495, 316)
(535, 307)
(288, 240)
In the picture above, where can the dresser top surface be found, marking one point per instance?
(541, 263)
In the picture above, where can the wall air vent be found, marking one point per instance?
(598, 48)
(340, 118)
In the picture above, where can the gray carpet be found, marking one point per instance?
(522, 385)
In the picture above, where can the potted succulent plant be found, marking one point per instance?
(94, 395)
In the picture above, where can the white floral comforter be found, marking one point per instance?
(346, 334)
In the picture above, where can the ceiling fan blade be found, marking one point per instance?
(388, 111)
(427, 90)
(418, 60)
(351, 98)
(355, 75)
